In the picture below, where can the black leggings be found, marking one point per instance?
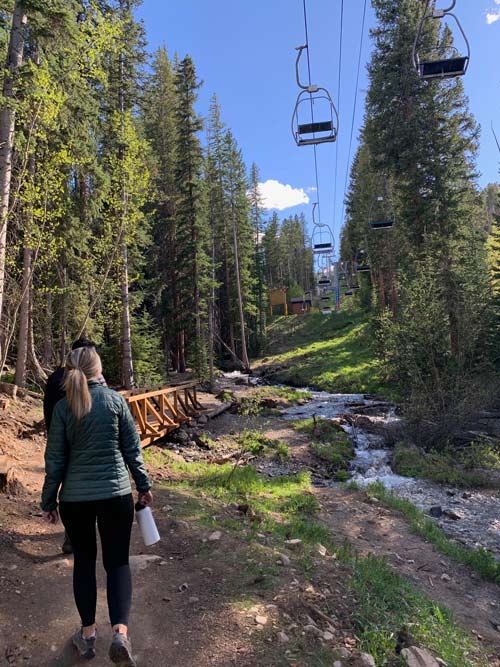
(114, 518)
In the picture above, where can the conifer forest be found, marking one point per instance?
(131, 218)
(277, 223)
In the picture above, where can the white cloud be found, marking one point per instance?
(280, 196)
(493, 15)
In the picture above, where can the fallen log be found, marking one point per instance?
(219, 410)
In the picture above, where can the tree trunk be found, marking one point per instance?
(47, 347)
(39, 374)
(211, 320)
(127, 364)
(244, 353)
(22, 338)
(7, 125)
(64, 318)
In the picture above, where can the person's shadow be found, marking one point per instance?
(68, 657)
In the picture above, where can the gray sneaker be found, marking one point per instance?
(85, 647)
(120, 651)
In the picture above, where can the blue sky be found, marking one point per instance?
(244, 52)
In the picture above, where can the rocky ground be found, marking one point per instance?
(203, 596)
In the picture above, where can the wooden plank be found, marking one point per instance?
(187, 411)
(163, 410)
(152, 410)
(167, 390)
(136, 412)
(169, 405)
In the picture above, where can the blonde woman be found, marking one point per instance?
(92, 444)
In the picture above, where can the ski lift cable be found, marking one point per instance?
(306, 30)
(353, 120)
(495, 135)
(338, 107)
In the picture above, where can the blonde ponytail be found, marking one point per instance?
(82, 364)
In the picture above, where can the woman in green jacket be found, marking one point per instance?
(92, 446)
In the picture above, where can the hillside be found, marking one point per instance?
(329, 353)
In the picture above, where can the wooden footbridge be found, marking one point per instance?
(164, 410)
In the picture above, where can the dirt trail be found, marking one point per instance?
(210, 622)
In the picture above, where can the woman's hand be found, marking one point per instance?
(146, 498)
(51, 517)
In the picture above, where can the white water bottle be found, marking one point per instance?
(147, 525)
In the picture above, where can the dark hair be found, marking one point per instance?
(82, 342)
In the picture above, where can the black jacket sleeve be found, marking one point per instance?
(55, 462)
(130, 446)
(54, 391)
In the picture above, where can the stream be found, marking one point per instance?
(471, 517)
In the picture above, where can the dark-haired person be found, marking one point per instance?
(54, 392)
(93, 444)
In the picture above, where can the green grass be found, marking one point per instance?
(265, 400)
(286, 509)
(441, 467)
(258, 444)
(388, 603)
(479, 560)
(332, 354)
(329, 443)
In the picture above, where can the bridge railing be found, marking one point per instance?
(163, 410)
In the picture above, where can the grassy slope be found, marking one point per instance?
(331, 353)
(283, 508)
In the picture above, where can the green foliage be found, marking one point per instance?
(260, 445)
(388, 603)
(332, 354)
(482, 454)
(438, 466)
(330, 444)
(480, 560)
(146, 346)
(428, 279)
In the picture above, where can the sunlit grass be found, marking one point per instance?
(285, 509)
(333, 354)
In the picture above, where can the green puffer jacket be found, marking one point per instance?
(90, 457)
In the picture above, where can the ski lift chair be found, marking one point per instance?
(378, 217)
(437, 67)
(314, 132)
(322, 236)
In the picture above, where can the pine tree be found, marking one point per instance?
(191, 235)
(258, 269)
(161, 132)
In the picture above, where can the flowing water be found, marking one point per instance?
(477, 514)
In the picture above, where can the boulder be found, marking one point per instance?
(419, 657)
(436, 511)
(363, 660)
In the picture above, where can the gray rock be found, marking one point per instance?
(436, 511)
(419, 657)
(142, 562)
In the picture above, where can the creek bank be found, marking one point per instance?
(472, 518)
